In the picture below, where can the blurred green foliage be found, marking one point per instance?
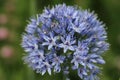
(13, 19)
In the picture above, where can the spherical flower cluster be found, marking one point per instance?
(65, 38)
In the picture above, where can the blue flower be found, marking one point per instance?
(82, 48)
(29, 43)
(76, 60)
(64, 38)
(46, 67)
(67, 44)
(51, 41)
(56, 62)
(82, 72)
(93, 75)
(32, 26)
(79, 28)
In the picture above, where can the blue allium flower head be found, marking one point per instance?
(65, 38)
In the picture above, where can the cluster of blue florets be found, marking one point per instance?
(65, 38)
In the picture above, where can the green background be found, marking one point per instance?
(14, 16)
